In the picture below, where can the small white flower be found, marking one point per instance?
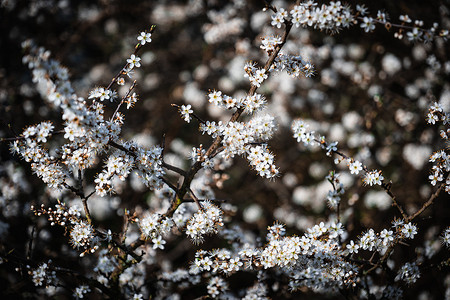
(144, 37)
(134, 61)
(186, 111)
(352, 247)
(409, 230)
(158, 243)
(368, 24)
(355, 167)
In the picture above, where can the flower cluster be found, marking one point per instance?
(146, 164)
(294, 65)
(153, 227)
(81, 233)
(262, 160)
(301, 134)
(255, 75)
(314, 260)
(380, 242)
(326, 17)
(240, 138)
(269, 44)
(85, 129)
(101, 94)
(43, 275)
(373, 177)
(409, 273)
(106, 264)
(441, 158)
(216, 286)
(205, 221)
(80, 291)
(216, 261)
(336, 16)
(250, 104)
(332, 17)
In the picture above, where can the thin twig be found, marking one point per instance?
(384, 185)
(91, 193)
(12, 139)
(125, 226)
(123, 100)
(387, 189)
(428, 203)
(122, 246)
(80, 193)
(123, 70)
(195, 199)
(120, 147)
(407, 219)
(193, 114)
(187, 200)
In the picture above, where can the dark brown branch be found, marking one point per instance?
(120, 147)
(174, 169)
(122, 246)
(169, 184)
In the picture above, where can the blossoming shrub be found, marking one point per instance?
(229, 151)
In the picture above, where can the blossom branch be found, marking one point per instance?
(216, 144)
(123, 70)
(384, 185)
(123, 100)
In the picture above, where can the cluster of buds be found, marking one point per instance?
(81, 233)
(61, 215)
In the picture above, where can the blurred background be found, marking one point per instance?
(371, 93)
